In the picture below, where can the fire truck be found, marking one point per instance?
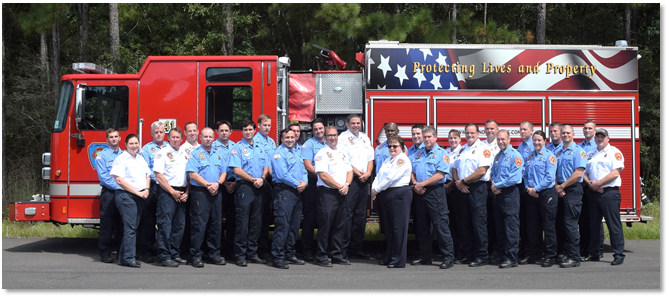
(443, 85)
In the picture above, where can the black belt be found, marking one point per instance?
(107, 188)
(198, 187)
(609, 188)
(434, 185)
(179, 188)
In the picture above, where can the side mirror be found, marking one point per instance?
(79, 103)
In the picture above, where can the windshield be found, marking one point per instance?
(63, 106)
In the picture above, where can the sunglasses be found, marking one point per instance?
(331, 135)
(393, 146)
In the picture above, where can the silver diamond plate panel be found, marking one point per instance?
(83, 221)
(339, 93)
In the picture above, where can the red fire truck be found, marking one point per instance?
(443, 85)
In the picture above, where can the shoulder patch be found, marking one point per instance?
(619, 156)
(158, 156)
(518, 161)
(233, 151)
(201, 155)
(552, 160)
(400, 162)
(277, 156)
(447, 159)
(318, 158)
(486, 153)
(304, 146)
(98, 156)
(583, 155)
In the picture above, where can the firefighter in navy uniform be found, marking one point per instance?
(110, 218)
(525, 148)
(459, 221)
(310, 195)
(602, 175)
(491, 128)
(268, 145)
(290, 180)
(539, 175)
(589, 130)
(147, 227)
(224, 144)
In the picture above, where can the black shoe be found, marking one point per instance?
(495, 260)
(257, 260)
(478, 262)
(107, 259)
(266, 256)
(325, 263)
(217, 261)
(383, 263)
(464, 260)
(528, 260)
(133, 264)
(570, 263)
(421, 262)
(148, 259)
(197, 263)
(169, 263)
(508, 264)
(360, 255)
(341, 261)
(446, 264)
(296, 261)
(589, 259)
(561, 258)
(617, 261)
(180, 261)
(548, 262)
(308, 257)
(395, 266)
(241, 263)
(280, 265)
(601, 255)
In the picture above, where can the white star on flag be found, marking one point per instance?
(384, 66)
(441, 60)
(401, 73)
(369, 54)
(419, 77)
(426, 52)
(381, 87)
(453, 87)
(435, 81)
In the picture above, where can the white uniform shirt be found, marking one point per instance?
(601, 163)
(186, 148)
(172, 164)
(470, 158)
(333, 162)
(452, 154)
(133, 170)
(359, 149)
(494, 149)
(394, 172)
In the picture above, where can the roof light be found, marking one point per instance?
(92, 68)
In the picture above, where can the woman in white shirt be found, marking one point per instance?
(391, 186)
(132, 175)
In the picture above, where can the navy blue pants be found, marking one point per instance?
(478, 213)
(170, 217)
(130, 206)
(541, 216)
(331, 223)
(205, 220)
(264, 242)
(147, 224)
(249, 209)
(110, 223)
(568, 223)
(463, 239)
(397, 206)
(584, 226)
(432, 210)
(507, 222)
(356, 208)
(309, 210)
(287, 216)
(230, 220)
(606, 205)
(493, 243)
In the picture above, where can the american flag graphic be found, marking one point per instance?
(603, 69)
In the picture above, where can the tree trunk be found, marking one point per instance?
(454, 13)
(228, 46)
(541, 23)
(44, 52)
(628, 23)
(55, 32)
(83, 32)
(485, 14)
(114, 38)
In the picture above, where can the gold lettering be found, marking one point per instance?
(471, 70)
(416, 65)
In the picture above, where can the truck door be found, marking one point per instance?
(405, 111)
(105, 104)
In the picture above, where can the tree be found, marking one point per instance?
(228, 44)
(114, 38)
(541, 23)
(454, 14)
(83, 31)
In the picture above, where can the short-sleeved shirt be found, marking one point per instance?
(358, 149)
(335, 162)
(494, 149)
(265, 142)
(507, 168)
(208, 164)
(588, 145)
(452, 156)
(554, 148)
(525, 149)
(310, 148)
(380, 154)
(133, 170)
(251, 158)
(568, 160)
(411, 152)
(149, 153)
(427, 163)
(171, 164)
(187, 148)
(226, 149)
(472, 157)
(103, 164)
(394, 172)
(288, 166)
(601, 163)
(540, 170)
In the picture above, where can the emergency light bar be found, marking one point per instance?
(90, 68)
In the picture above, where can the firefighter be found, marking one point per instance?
(524, 148)
(110, 219)
(290, 180)
(148, 222)
(459, 221)
(490, 129)
(571, 162)
(588, 143)
(470, 176)
(310, 194)
(334, 178)
(133, 178)
(224, 144)
(554, 146)
(392, 185)
(169, 169)
(540, 171)
(295, 127)
(429, 169)
(191, 131)
(555, 131)
(506, 172)
(360, 152)
(250, 165)
(268, 145)
(602, 175)
(417, 138)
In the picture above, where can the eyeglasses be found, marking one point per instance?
(393, 146)
(332, 135)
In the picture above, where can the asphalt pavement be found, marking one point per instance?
(57, 263)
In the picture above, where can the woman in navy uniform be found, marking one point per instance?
(392, 186)
(540, 171)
